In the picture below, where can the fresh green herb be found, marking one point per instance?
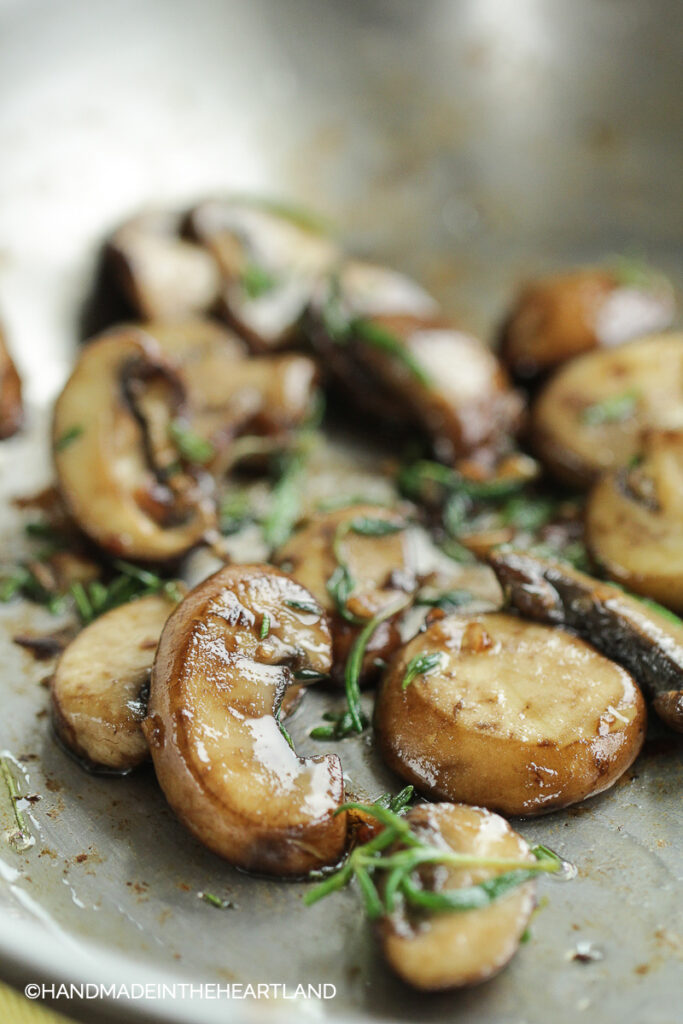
(22, 580)
(636, 273)
(257, 281)
(379, 337)
(301, 216)
(340, 726)
(614, 409)
(416, 476)
(190, 445)
(395, 870)
(399, 803)
(265, 626)
(449, 601)
(366, 526)
(282, 729)
(526, 513)
(340, 587)
(354, 663)
(95, 598)
(458, 552)
(234, 513)
(68, 437)
(310, 607)
(308, 675)
(286, 498)
(216, 901)
(347, 501)
(21, 838)
(455, 511)
(421, 665)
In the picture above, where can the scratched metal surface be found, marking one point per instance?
(466, 142)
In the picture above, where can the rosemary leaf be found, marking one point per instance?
(68, 437)
(421, 665)
(379, 337)
(614, 409)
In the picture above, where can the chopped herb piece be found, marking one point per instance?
(68, 437)
(308, 675)
(413, 478)
(379, 337)
(614, 409)
(340, 726)
(310, 607)
(399, 803)
(216, 901)
(190, 445)
(257, 281)
(354, 663)
(528, 513)
(368, 527)
(421, 665)
(448, 601)
(340, 587)
(21, 838)
(234, 513)
(265, 627)
(285, 505)
(282, 729)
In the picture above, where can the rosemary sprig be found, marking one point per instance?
(216, 901)
(95, 598)
(257, 281)
(614, 409)
(395, 871)
(340, 725)
(421, 665)
(265, 626)
(399, 803)
(354, 663)
(341, 583)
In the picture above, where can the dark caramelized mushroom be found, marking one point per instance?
(559, 317)
(646, 640)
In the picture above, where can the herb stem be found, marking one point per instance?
(355, 662)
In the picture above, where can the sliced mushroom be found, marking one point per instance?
(381, 569)
(271, 263)
(112, 454)
(449, 950)
(591, 415)
(226, 658)
(99, 688)
(644, 639)
(634, 521)
(561, 316)
(508, 714)
(230, 394)
(405, 365)
(11, 407)
(161, 274)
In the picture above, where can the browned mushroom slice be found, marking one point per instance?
(591, 415)
(448, 950)
(634, 521)
(99, 686)
(162, 275)
(226, 657)
(230, 394)
(112, 456)
(562, 316)
(11, 408)
(271, 263)
(355, 561)
(403, 364)
(646, 640)
(508, 714)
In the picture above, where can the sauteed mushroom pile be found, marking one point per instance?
(511, 587)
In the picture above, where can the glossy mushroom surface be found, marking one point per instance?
(226, 658)
(500, 712)
(453, 949)
(99, 689)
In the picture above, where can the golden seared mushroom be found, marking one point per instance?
(634, 521)
(114, 456)
(644, 638)
(162, 275)
(590, 417)
(509, 714)
(99, 689)
(271, 257)
(230, 395)
(11, 407)
(442, 950)
(226, 658)
(405, 365)
(356, 561)
(561, 316)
